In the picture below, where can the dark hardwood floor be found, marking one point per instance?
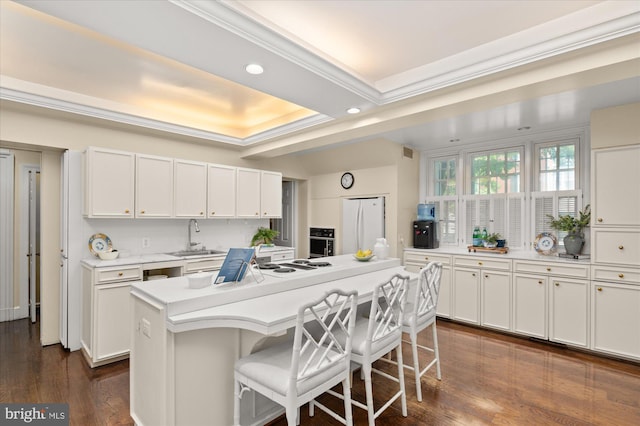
(488, 378)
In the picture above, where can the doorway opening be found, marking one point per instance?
(286, 225)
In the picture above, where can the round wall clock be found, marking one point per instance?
(346, 180)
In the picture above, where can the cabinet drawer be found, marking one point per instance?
(482, 262)
(548, 268)
(282, 255)
(615, 274)
(110, 275)
(424, 257)
(618, 246)
(208, 264)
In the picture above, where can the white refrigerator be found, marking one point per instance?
(362, 223)
(72, 245)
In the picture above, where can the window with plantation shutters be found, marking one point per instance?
(447, 217)
(502, 214)
(559, 203)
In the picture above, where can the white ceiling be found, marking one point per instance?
(178, 65)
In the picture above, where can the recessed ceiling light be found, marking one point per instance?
(254, 69)
(353, 110)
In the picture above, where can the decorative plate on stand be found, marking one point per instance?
(546, 243)
(99, 243)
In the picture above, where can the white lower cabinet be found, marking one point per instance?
(106, 312)
(495, 300)
(466, 295)
(414, 260)
(615, 318)
(481, 291)
(569, 311)
(551, 301)
(530, 305)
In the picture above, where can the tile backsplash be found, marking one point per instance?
(168, 235)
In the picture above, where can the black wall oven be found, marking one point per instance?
(321, 241)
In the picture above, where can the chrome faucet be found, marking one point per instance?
(195, 223)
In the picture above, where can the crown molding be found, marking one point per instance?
(605, 22)
(226, 16)
(51, 103)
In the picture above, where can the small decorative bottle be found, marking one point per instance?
(476, 237)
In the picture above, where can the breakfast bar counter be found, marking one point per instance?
(185, 341)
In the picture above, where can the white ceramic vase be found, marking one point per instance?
(381, 249)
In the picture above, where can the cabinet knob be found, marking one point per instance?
(548, 269)
(61, 265)
(213, 213)
(599, 288)
(486, 276)
(599, 219)
(620, 275)
(257, 213)
(119, 274)
(426, 258)
(557, 284)
(61, 250)
(473, 274)
(142, 211)
(126, 210)
(620, 247)
(480, 263)
(539, 282)
(201, 213)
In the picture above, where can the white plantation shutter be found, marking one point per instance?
(447, 216)
(555, 204)
(514, 233)
(498, 216)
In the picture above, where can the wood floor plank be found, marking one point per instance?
(487, 378)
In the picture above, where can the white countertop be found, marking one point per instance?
(512, 254)
(175, 295)
(275, 313)
(132, 260)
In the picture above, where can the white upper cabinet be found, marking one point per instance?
(190, 188)
(271, 194)
(221, 199)
(154, 186)
(616, 198)
(110, 183)
(248, 194)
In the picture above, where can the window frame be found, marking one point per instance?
(535, 170)
(468, 175)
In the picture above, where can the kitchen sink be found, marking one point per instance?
(189, 253)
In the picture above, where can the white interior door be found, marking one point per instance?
(6, 235)
(34, 242)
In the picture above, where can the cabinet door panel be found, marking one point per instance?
(466, 293)
(112, 320)
(615, 203)
(190, 189)
(154, 186)
(568, 308)
(271, 194)
(110, 183)
(444, 296)
(248, 195)
(221, 199)
(530, 305)
(616, 319)
(496, 300)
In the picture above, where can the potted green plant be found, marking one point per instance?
(574, 227)
(491, 240)
(264, 236)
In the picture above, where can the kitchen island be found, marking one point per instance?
(185, 341)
